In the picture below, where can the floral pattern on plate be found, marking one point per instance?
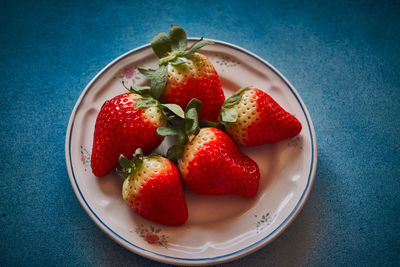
(227, 61)
(295, 142)
(263, 221)
(152, 235)
(85, 157)
(130, 76)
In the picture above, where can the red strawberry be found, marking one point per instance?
(184, 74)
(196, 78)
(121, 129)
(209, 161)
(153, 189)
(251, 118)
(212, 164)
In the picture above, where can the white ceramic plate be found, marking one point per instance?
(218, 229)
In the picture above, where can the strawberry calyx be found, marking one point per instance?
(158, 79)
(130, 167)
(228, 113)
(169, 111)
(140, 90)
(173, 46)
(184, 128)
(170, 49)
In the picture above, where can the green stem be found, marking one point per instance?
(204, 123)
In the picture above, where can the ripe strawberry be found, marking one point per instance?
(185, 74)
(196, 78)
(125, 123)
(209, 161)
(251, 118)
(212, 164)
(153, 189)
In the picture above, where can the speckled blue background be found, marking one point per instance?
(341, 56)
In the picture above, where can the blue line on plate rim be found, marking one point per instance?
(238, 252)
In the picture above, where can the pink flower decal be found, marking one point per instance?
(152, 235)
(129, 73)
(85, 157)
(151, 238)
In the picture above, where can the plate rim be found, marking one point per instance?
(195, 261)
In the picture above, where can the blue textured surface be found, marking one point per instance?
(342, 57)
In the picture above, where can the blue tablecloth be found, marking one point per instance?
(341, 56)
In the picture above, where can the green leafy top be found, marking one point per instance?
(228, 113)
(170, 49)
(130, 167)
(169, 111)
(158, 80)
(182, 128)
